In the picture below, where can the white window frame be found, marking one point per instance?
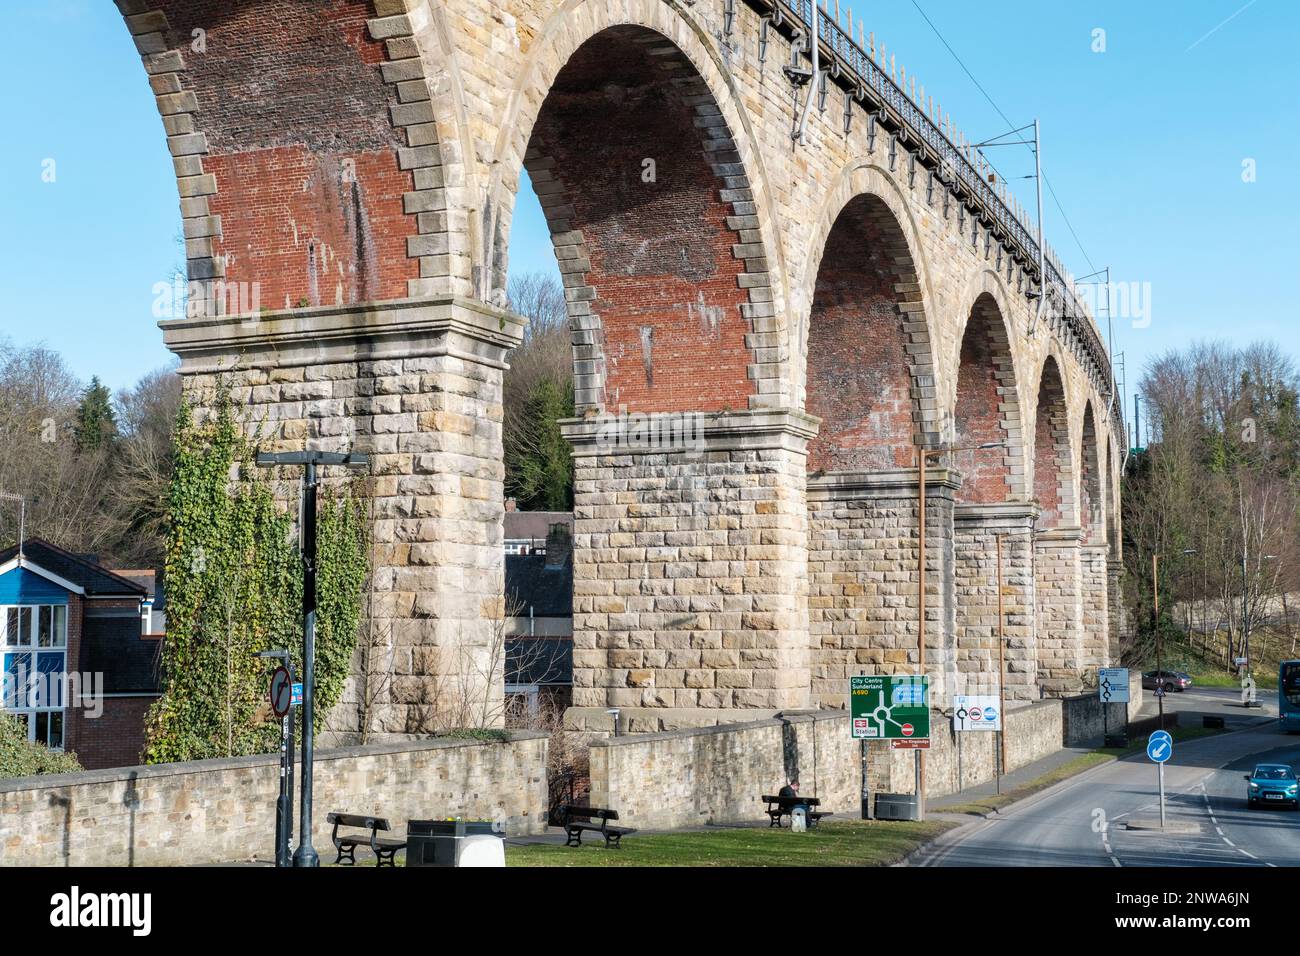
(31, 644)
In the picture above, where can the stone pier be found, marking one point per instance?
(976, 532)
(415, 384)
(863, 572)
(690, 573)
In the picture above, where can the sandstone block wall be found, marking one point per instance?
(717, 774)
(863, 573)
(216, 811)
(976, 532)
(690, 587)
(1061, 662)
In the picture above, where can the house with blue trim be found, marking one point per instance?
(79, 652)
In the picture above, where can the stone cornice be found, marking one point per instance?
(1014, 516)
(402, 328)
(1069, 537)
(881, 483)
(746, 430)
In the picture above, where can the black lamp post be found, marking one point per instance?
(306, 854)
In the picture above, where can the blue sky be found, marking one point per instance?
(1143, 144)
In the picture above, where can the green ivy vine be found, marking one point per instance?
(234, 582)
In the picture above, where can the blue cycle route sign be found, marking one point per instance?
(1160, 746)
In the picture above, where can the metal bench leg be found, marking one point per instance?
(350, 849)
(574, 838)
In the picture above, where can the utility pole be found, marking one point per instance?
(1042, 247)
(1160, 674)
(306, 855)
(1137, 421)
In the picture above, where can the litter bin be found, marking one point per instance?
(897, 806)
(453, 843)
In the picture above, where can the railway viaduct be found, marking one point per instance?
(829, 304)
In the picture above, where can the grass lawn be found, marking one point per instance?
(997, 801)
(833, 843)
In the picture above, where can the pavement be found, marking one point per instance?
(1084, 821)
(1010, 781)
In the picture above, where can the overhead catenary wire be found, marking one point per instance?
(985, 93)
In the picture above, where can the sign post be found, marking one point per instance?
(893, 707)
(1112, 688)
(976, 713)
(1160, 747)
(282, 702)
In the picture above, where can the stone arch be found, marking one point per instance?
(866, 179)
(683, 63)
(985, 407)
(1053, 463)
(330, 196)
(1092, 481)
(869, 371)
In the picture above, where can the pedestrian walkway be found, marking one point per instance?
(1010, 781)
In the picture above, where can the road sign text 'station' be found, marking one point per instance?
(890, 707)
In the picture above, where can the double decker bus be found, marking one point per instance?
(1288, 695)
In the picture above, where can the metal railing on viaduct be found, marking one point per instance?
(889, 107)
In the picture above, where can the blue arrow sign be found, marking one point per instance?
(1160, 746)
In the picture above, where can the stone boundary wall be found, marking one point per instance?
(1034, 730)
(716, 774)
(214, 811)
(1084, 724)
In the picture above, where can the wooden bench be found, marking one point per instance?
(385, 848)
(576, 819)
(778, 807)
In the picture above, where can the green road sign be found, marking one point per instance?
(890, 707)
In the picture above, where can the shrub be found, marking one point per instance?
(19, 757)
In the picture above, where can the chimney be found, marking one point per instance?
(559, 546)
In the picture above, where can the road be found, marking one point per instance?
(1086, 821)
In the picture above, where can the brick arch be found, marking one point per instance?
(858, 179)
(1092, 481)
(986, 407)
(665, 278)
(869, 375)
(306, 167)
(725, 139)
(1053, 482)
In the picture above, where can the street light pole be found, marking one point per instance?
(306, 855)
